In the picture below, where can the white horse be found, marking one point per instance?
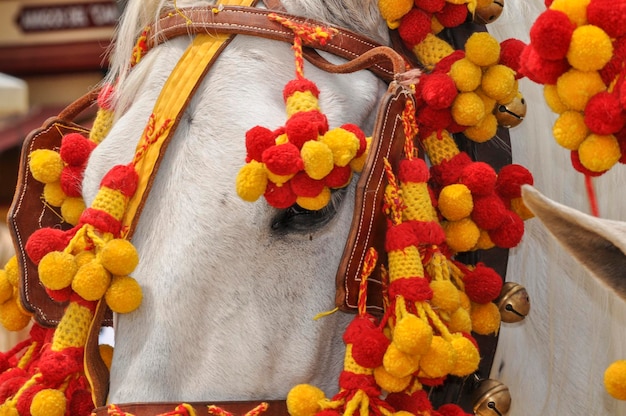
(230, 290)
(553, 362)
(229, 299)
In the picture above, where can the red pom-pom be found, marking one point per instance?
(438, 90)
(431, 6)
(451, 409)
(45, 240)
(122, 178)
(452, 15)
(580, 168)
(510, 180)
(75, 149)
(258, 139)
(356, 130)
(551, 35)
(301, 85)
(510, 52)
(303, 185)
(445, 63)
(369, 349)
(280, 197)
(483, 284)
(339, 177)
(621, 140)
(413, 170)
(81, 403)
(283, 159)
(510, 232)
(414, 27)
(55, 366)
(614, 67)
(449, 171)
(479, 177)
(62, 295)
(603, 114)
(539, 70)
(610, 15)
(432, 120)
(71, 180)
(488, 212)
(304, 126)
(416, 403)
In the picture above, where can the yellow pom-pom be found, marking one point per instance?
(6, 288)
(440, 359)
(590, 48)
(72, 209)
(278, 179)
(317, 202)
(518, 206)
(124, 294)
(12, 316)
(575, 88)
(12, 271)
(460, 321)
(412, 335)
(445, 295)
(390, 383)
(119, 256)
(485, 318)
(83, 257)
(48, 402)
(465, 301)
(393, 10)
(576, 10)
(482, 49)
(467, 356)
(318, 159)
(485, 130)
(468, 109)
(489, 102)
(455, 202)
(8, 409)
(551, 95)
(498, 82)
(106, 353)
(91, 281)
(57, 269)
(570, 130)
(399, 364)
(461, 235)
(358, 162)
(512, 96)
(484, 241)
(599, 152)
(53, 194)
(615, 379)
(343, 143)
(251, 181)
(45, 165)
(466, 75)
(304, 400)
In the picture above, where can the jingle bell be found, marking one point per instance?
(513, 302)
(512, 113)
(491, 398)
(485, 15)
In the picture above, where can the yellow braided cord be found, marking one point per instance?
(405, 263)
(435, 320)
(457, 275)
(437, 267)
(409, 125)
(73, 328)
(432, 50)
(101, 125)
(359, 401)
(393, 203)
(13, 400)
(440, 146)
(261, 408)
(28, 355)
(418, 205)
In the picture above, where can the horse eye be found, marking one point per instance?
(296, 218)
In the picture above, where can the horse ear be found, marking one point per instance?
(598, 244)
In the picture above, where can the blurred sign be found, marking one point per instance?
(39, 18)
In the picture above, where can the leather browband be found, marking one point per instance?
(256, 22)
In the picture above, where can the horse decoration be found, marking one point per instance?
(400, 351)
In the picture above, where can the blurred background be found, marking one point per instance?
(51, 53)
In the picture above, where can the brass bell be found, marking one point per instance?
(513, 302)
(491, 398)
(512, 113)
(486, 15)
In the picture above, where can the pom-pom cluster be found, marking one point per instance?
(301, 162)
(577, 50)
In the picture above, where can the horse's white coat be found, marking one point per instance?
(228, 305)
(553, 362)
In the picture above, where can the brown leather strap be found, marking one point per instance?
(255, 22)
(276, 408)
